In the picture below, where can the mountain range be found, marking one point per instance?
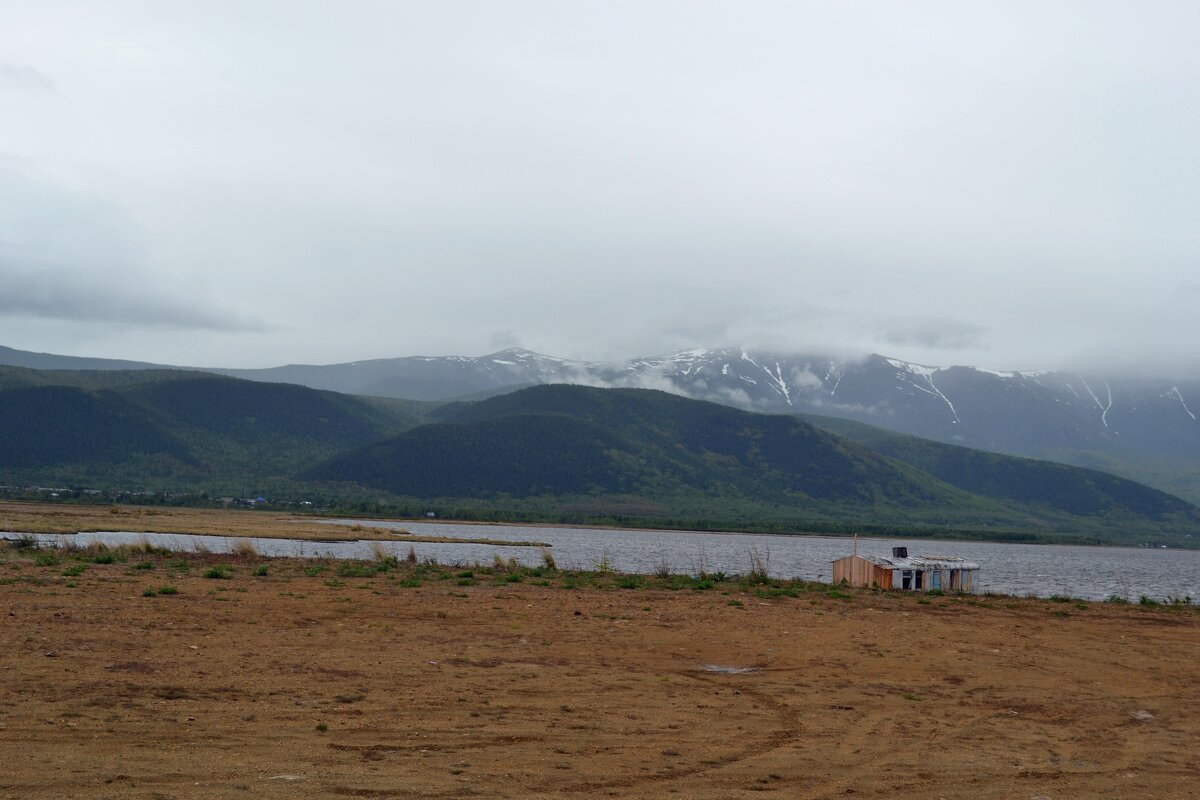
(651, 454)
(1143, 429)
(552, 452)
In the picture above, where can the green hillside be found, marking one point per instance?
(169, 429)
(1024, 480)
(637, 453)
(552, 453)
(48, 425)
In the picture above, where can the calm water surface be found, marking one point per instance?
(1043, 570)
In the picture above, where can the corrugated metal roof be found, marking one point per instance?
(921, 562)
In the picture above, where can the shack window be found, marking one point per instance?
(906, 578)
(935, 579)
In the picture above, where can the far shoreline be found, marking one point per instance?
(336, 520)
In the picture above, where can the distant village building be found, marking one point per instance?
(911, 573)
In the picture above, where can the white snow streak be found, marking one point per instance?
(837, 372)
(783, 387)
(926, 373)
(1104, 409)
(776, 378)
(1179, 396)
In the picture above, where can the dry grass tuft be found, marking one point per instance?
(244, 548)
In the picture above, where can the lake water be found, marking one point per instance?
(1043, 570)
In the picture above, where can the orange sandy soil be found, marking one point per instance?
(293, 685)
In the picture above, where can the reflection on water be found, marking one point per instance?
(1043, 570)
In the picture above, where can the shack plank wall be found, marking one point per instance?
(858, 571)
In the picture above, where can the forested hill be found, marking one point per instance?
(554, 452)
(176, 429)
(654, 453)
(1024, 480)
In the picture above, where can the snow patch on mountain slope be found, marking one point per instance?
(926, 373)
(774, 379)
(1179, 396)
(836, 373)
(1104, 409)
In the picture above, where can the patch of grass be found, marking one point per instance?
(760, 566)
(261, 570)
(1149, 602)
(218, 572)
(936, 593)
(149, 592)
(356, 569)
(315, 570)
(143, 565)
(912, 697)
(629, 582)
(1116, 598)
(675, 582)
(168, 590)
(75, 570)
(47, 558)
(772, 592)
(736, 603)
(838, 594)
(1060, 598)
(322, 727)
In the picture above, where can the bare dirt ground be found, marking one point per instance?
(304, 683)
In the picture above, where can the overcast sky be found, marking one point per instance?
(1008, 184)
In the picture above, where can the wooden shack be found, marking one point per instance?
(900, 571)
